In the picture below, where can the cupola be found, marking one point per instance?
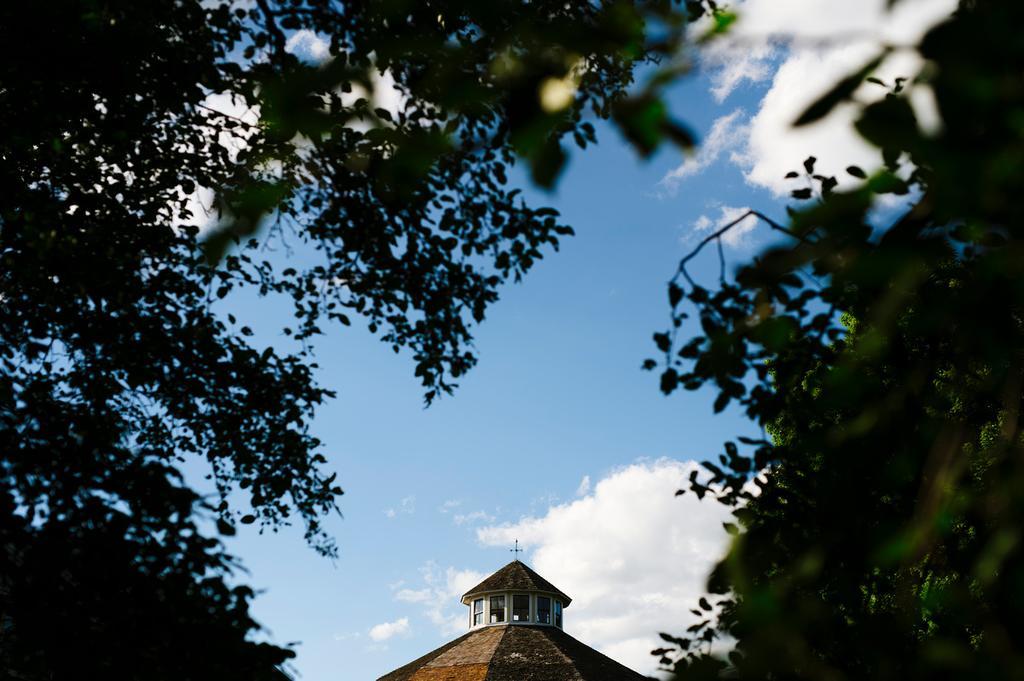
(515, 594)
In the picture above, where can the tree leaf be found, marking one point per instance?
(839, 93)
(675, 294)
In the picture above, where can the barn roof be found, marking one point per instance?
(514, 653)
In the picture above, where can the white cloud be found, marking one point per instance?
(406, 506)
(727, 135)
(415, 595)
(802, 48)
(840, 19)
(633, 556)
(774, 147)
(736, 237)
(440, 596)
(383, 93)
(201, 206)
(449, 505)
(385, 630)
(473, 517)
(852, 34)
(700, 224)
(386, 93)
(731, 64)
(306, 44)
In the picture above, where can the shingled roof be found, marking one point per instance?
(514, 653)
(516, 576)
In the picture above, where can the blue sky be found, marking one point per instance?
(557, 437)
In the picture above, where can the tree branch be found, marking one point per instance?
(722, 230)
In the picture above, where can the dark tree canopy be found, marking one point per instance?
(115, 366)
(878, 530)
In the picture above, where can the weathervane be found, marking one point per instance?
(516, 550)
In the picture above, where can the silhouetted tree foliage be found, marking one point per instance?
(878, 531)
(115, 367)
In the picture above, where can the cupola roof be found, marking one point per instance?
(516, 576)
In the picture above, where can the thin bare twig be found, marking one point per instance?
(721, 262)
(725, 228)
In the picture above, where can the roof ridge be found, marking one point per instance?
(598, 664)
(407, 670)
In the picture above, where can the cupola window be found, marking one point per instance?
(558, 614)
(543, 609)
(521, 608)
(478, 612)
(497, 609)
